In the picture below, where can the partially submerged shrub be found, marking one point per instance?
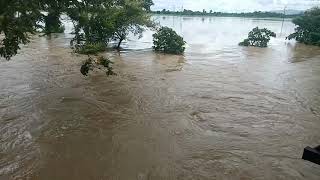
(90, 48)
(86, 67)
(110, 72)
(90, 64)
(168, 41)
(245, 42)
(258, 38)
(104, 61)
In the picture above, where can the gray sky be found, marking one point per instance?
(234, 5)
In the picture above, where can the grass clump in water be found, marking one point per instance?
(104, 61)
(90, 48)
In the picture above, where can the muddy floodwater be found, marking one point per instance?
(219, 112)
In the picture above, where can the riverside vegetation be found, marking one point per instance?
(258, 37)
(256, 14)
(308, 27)
(96, 23)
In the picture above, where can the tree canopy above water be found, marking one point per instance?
(95, 21)
(308, 27)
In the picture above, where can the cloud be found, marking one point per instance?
(235, 5)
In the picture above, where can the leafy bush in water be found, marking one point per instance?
(105, 62)
(90, 48)
(258, 38)
(308, 27)
(168, 41)
(86, 66)
(90, 64)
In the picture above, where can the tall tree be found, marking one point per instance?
(147, 4)
(131, 17)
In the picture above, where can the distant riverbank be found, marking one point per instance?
(256, 14)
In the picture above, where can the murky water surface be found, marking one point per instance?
(219, 112)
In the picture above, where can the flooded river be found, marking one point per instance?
(219, 112)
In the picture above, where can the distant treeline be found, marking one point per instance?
(256, 14)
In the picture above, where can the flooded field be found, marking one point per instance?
(219, 112)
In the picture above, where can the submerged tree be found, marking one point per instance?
(168, 41)
(308, 27)
(258, 37)
(130, 18)
(106, 20)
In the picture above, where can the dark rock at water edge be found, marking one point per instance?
(312, 154)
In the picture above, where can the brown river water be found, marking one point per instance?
(219, 112)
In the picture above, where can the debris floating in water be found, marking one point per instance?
(86, 67)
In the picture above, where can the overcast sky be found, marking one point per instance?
(234, 5)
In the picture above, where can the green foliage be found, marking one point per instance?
(258, 38)
(104, 61)
(86, 67)
(53, 24)
(132, 17)
(245, 42)
(308, 27)
(54, 9)
(256, 14)
(90, 48)
(105, 20)
(17, 21)
(168, 41)
(110, 72)
(96, 22)
(147, 4)
(92, 24)
(90, 64)
(20, 18)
